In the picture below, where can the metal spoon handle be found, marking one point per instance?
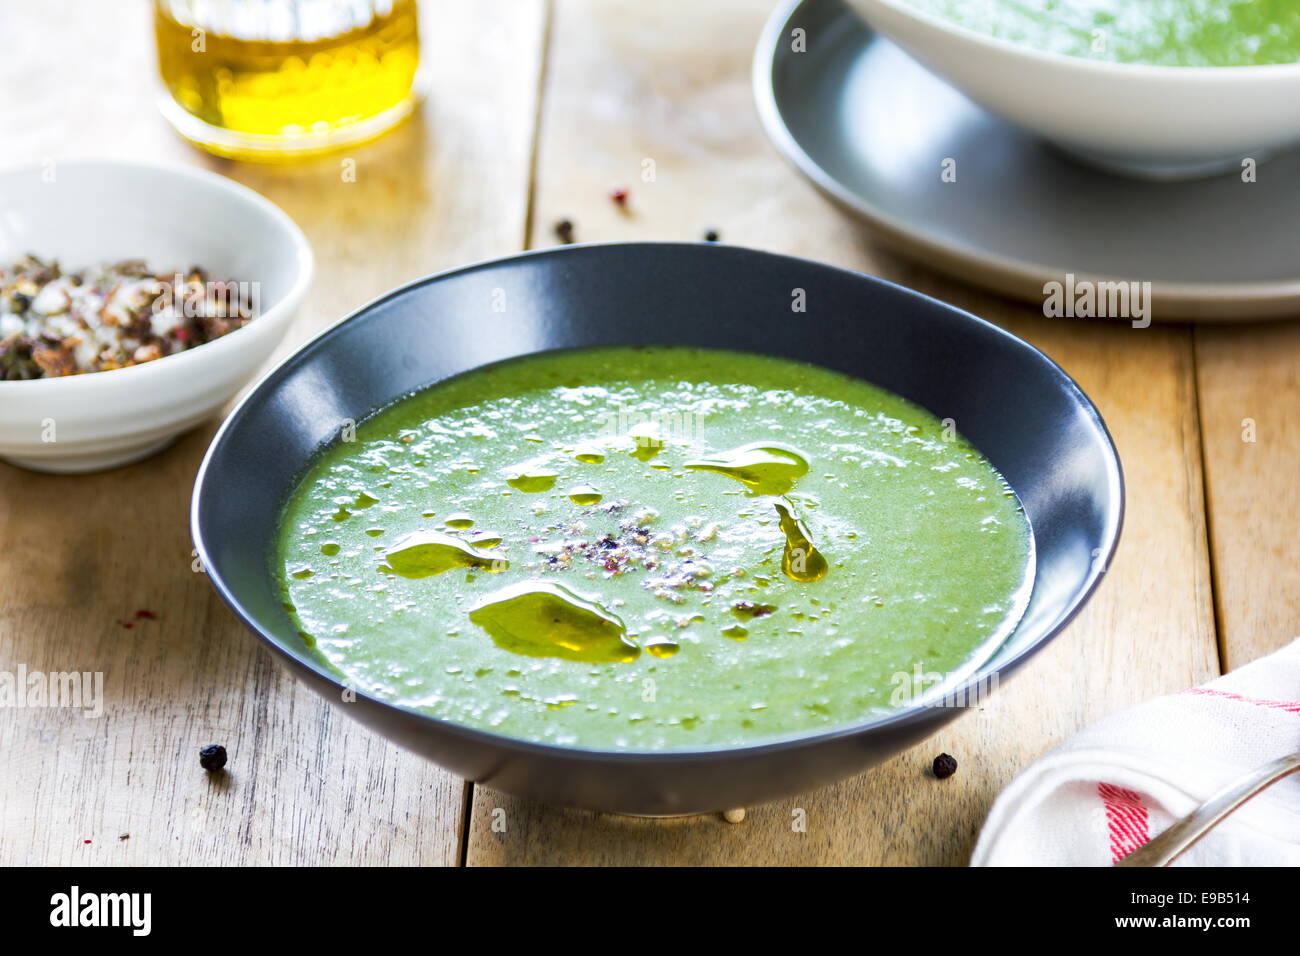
(1168, 845)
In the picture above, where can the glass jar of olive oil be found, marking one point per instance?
(276, 79)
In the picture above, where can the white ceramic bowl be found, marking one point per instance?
(90, 212)
(1158, 122)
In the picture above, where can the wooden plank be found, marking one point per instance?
(82, 554)
(1249, 388)
(660, 85)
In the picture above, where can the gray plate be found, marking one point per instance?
(871, 127)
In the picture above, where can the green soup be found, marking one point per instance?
(652, 549)
(1157, 32)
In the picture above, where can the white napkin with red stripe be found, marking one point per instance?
(1118, 783)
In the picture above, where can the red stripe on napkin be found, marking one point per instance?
(1127, 819)
(1291, 706)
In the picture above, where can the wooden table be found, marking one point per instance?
(536, 110)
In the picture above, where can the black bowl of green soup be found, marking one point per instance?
(658, 528)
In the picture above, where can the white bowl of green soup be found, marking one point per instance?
(708, 554)
(1165, 90)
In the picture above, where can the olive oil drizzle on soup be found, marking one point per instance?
(649, 549)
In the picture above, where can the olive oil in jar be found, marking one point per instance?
(271, 79)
